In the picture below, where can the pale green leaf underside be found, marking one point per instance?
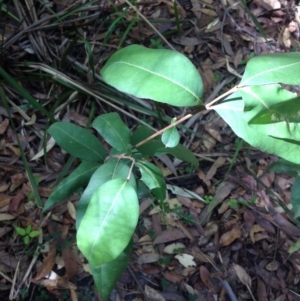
(109, 222)
(295, 196)
(170, 137)
(112, 169)
(231, 110)
(272, 110)
(159, 74)
(273, 68)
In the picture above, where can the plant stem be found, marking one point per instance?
(232, 90)
(207, 107)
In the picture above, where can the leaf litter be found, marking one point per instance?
(232, 241)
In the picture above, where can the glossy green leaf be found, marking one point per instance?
(28, 229)
(34, 234)
(232, 111)
(77, 141)
(153, 178)
(107, 274)
(26, 240)
(109, 222)
(20, 231)
(142, 133)
(273, 68)
(111, 127)
(295, 196)
(162, 75)
(170, 137)
(156, 147)
(272, 110)
(112, 169)
(78, 178)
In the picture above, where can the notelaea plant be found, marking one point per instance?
(260, 110)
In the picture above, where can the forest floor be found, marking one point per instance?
(232, 238)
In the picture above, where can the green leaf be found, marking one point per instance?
(162, 75)
(20, 231)
(77, 141)
(34, 233)
(111, 127)
(294, 247)
(78, 178)
(287, 167)
(273, 68)
(295, 196)
(26, 240)
(254, 19)
(272, 110)
(107, 274)
(170, 137)
(155, 147)
(232, 111)
(180, 152)
(28, 229)
(112, 169)
(109, 222)
(153, 178)
(142, 190)
(149, 148)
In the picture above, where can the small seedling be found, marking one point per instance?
(27, 233)
(234, 204)
(178, 250)
(164, 260)
(164, 283)
(208, 199)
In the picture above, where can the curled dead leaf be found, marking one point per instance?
(286, 38)
(230, 236)
(256, 228)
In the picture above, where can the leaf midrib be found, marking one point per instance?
(159, 75)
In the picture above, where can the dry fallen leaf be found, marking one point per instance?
(70, 261)
(186, 260)
(148, 258)
(3, 126)
(6, 217)
(272, 266)
(242, 275)
(169, 249)
(48, 263)
(230, 236)
(261, 290)
(205, 277)
(71, 210)
(152, 294)
(254, 229)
